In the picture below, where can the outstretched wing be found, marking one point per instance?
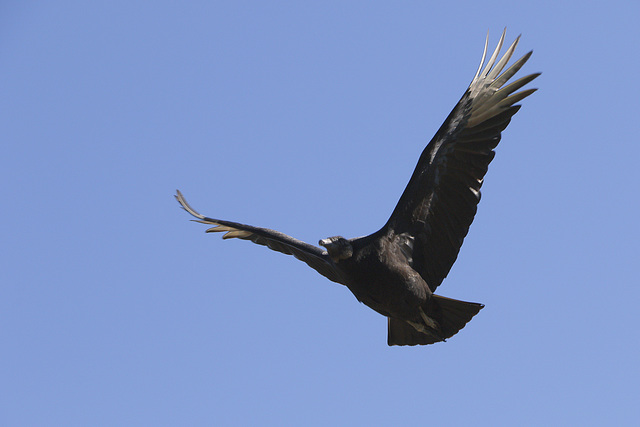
(438, 205)
(315, 257)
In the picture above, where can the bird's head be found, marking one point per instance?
(338, 248)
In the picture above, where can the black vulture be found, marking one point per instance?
(396, 270)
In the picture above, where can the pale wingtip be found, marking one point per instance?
(183, 203)
(484, 56)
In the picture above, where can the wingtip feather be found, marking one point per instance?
(494, 55)
(488, 95)
(183, 202)
(484, 55)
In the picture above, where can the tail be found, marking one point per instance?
(450, 314)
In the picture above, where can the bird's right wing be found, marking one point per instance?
(313, 256)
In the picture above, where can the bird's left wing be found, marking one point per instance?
(313, 256)
(439, 203)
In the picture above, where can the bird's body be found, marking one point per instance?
(377, 262)
(396, 270)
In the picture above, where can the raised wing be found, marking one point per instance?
(315, 257)
(438, 205)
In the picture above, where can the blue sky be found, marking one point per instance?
(307, 118)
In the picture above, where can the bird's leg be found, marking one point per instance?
(429, 321)
(430, 326)
(426, 330)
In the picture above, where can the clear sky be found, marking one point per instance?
(307, 117)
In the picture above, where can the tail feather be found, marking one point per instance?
(452, 315)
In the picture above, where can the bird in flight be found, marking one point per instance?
(396, 270)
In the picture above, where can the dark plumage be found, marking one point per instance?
(396, 269)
